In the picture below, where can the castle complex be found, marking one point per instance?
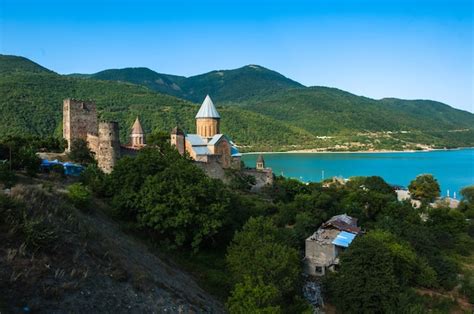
(211, 150)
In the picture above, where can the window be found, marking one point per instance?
(318, 270)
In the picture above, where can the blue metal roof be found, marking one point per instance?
(195, 139)
(344, 239)
(234, 152)
(208, 110)
(201, 150)
(215, 139)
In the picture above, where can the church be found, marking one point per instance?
(208, 145)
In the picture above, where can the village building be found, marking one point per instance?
(322, 248)
(208, 145)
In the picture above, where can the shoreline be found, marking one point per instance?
(316, 151)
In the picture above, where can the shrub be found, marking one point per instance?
(79, 195)
(7, 177)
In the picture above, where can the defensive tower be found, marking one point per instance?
(79, 119)
(109, 146)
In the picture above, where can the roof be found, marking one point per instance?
(201, 150)
(216, 139)
(343, 223)
(260, 158)
(137, 127)
(234, 152)
(344, 239)
(195, 139)
(208, 110)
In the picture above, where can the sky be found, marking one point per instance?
(411, 49)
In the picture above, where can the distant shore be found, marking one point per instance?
(317, 151)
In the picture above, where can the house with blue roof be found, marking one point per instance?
(208, 145)
(322, 248)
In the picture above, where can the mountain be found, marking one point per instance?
(162, 83)
(272, 113)
(31, 102)
(15, 64)
(224, 85)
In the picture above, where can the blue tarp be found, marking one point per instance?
(70, 169)
(344, 239)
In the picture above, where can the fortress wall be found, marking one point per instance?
(79, 119)
(109, 146)
(262, 177)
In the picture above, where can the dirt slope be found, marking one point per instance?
(56, 259)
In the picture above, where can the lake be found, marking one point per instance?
(454, 169)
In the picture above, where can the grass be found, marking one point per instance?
(209, 269)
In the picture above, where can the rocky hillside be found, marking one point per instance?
(55, 258)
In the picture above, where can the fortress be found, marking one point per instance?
(211, 150)
(80, 122)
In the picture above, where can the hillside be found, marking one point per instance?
(224, 86)
(162, 83)
(16, 64)
(60, 259)
(32, 103)
(272, 113)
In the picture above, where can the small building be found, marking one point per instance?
(323, 247)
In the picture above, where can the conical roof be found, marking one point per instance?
(208, 110)
(137, 127)
(260, 158)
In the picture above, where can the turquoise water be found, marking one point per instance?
(454, 169)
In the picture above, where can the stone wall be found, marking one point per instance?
(262, 177)
(79, 119)
(109, 146)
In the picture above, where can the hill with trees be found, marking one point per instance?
(224, 85)
(260, 109)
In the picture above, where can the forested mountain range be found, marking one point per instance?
(261, 109)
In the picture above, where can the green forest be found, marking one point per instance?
(261, 110)
(247, 248)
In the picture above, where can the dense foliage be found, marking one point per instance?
(425, 188)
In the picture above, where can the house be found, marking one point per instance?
(323, 247)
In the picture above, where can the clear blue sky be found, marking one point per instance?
(376, 48)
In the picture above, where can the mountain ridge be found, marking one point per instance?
(274, 117)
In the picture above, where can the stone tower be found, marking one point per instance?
(79, 119)
(207, 119)
(109, 146)
(137, 137)
(177, 139)
(260, 162)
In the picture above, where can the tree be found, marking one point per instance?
(366, 282)
(80, 152)
(425, 188)
(254, 296)
(259, 250)
(182, 204)
(468, 194)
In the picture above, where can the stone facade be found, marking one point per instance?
(109, 146)
(322, 248)
(207, 127)
(79, 120)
